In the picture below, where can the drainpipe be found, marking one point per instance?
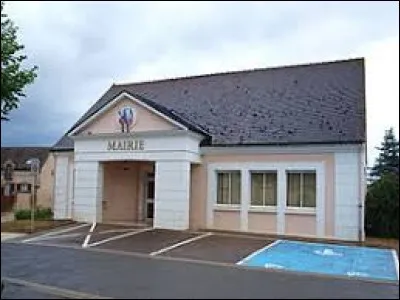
(361, 225)
(361, 201)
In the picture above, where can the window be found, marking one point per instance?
(228, 187)
(24, 188)
(263, 189)
(301, 189)
(9, 189)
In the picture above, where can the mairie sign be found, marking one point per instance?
(125, 145)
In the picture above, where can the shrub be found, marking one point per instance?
(40, 214)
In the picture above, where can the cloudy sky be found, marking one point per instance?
(81, 48)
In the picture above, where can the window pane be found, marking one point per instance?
(270, 188)
(309, 189)
(293, 189)
(223, 188)
(235, 188)
(256, 189)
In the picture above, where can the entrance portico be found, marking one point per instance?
(172, 153)
(131, 163)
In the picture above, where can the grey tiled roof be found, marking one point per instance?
(19, 156)
(313, 103)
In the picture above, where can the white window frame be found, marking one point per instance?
(301, 206)
(230, 204)
(264, 172)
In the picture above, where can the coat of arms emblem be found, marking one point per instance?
(127, 117)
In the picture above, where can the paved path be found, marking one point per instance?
(128, 276)
(11, 235)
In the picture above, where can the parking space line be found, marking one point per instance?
(180, 244)
(116, 230)
(117, 237)
(61, 236)
(87, 239)
(258, 251)
(54, 233)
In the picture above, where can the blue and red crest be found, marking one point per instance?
(127, 117)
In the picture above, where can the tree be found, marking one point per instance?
(388, 159)
(382, 207)
(13, 76)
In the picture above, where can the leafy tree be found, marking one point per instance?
(388, 160)
(382, 207)
(13, 76)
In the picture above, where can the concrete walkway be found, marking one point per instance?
(11, 235)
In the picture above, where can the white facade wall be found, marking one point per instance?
(63, 185)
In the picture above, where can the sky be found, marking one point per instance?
(81, 48)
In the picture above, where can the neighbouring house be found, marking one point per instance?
(276, 150)
(20, 188)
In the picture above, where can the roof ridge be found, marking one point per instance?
(25, 147)
(300, 65)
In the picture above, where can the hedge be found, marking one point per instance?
(40, 214)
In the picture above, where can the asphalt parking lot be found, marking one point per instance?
(158, 263)
(73, 272)
(203, 246)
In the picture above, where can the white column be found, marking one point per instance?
(320, 201)
(211, 195)
(70, 188)
(245, 199)
(281, 205)
(346, 195)
(88, 191)
(172, 192)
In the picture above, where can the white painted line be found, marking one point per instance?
(180, 244)
(116, 231)
(46, 238)
(258, 251)
(93, 226)
(117, 237)
(87, 239)
(54, 233)
(396, 262)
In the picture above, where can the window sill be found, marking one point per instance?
(266, 209)
(300, 211)
(226, 207)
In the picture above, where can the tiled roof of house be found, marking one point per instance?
(302, 104)
(20, 155)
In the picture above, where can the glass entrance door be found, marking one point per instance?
(149, 198)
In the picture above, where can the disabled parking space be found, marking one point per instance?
(147, 241)
(219, 248)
